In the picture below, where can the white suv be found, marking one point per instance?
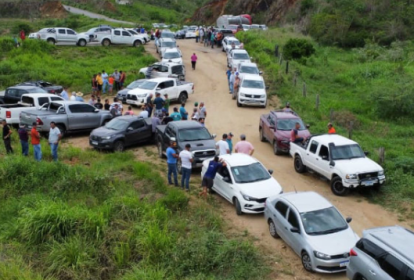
(252, 91)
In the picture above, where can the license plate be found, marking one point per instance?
(95, 143)
(130, 102)
(368, 183)
(344, 264)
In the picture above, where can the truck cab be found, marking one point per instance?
(164, 70)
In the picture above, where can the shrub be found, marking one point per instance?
(297, 49)
(175, 200)
(22, 26)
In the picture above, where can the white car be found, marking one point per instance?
(248, 68)
(228, 42)
(246, 27)
(164, 70)
(172, 55)
(235, 57)
(252, 91)
(55, 35)
(313, 228)
(120, 36)
(164, 44)
(244, 182)
(191, 32)
(144, 36)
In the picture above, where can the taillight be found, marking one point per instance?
(52, 91)
(39, 121)
(8, 114)
(352, 253)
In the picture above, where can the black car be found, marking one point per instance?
(122, 132)
(12, 95)
(49, 87)
(180, 34)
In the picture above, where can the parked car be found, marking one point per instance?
(167, 34)
(135, 32)
(164, 70)
(49, 87)
(255, 26)
(14, 94)
(164, 44)
(248, 68)
(225, 32)
(191, 32)
(172, 55)
(121, 132)
(55, 35)
(69, 116)
(176, 90)
(244, 182)
(313, 228)
(234, 57)
(384, 253)
(100, 29)
(263, 27)
(276, 128)
(122, 94)
(228, 42)
(202, 142)
(246, 27)
(11, 112)
(120, 36)
(338, 159)
(180, 34)
(252, 91)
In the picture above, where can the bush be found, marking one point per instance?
(22, 26)
(297, 49)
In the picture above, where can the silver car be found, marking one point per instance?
(384, 253)
(313, 228)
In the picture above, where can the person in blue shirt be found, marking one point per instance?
(183, 112)
(176, 116)
(208, 179)
(79, 97)
(172, 157)
(64, 94)
(159, 104)
(230, 142)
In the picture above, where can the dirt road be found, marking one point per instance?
(77, 11)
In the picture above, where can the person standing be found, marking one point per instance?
(111, 83)
(167, 102)
(107, 106)
(230, 142)
(54, 138)
(6, 136)
(159, 104)
(172, 164)
(223, 146)
(212, 38)
(24, 140)
(228, 74)
(201, 35)
(208, 178)
(35, 135)
(149, 105)
(129, 112)
(105, 81)
(117, 77)
(331, 129)
(94, 84)
(236, 85)
(244, 147)
(155, 121)
(79, 97)
(144, 112)
(183, 112)
(194, 61)
(197, 35)
(92, 101)
(231, 81)
(99, 82)
(73, 96)
(115, 112)
(64, 94)
(98, 104)
(202, 112)
(186, 158)
(122, 79)
(176, 116)
(22, 35)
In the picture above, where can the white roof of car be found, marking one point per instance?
(252, 77)
(238, 159)
(159, 80)
(306, 201)
(239, 51)
(41, 95)
(338, 140)
(248, 64)
(167, 40)
(172, 50)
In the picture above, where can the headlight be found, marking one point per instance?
(381, 173)
(246, 197)
(106, 137)
(141, 95)
(322, 256)
(242, 95)
(351, 176)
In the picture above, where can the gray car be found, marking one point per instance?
(383, 253)
(313, 228)
(122, 94)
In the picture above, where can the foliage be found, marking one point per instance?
(22, 26)
(297, 49)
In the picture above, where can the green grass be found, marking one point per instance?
(369, 86)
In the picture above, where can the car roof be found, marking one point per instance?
(247, 64)
(172, 50)
(161, 79)
(338, 140)
(25, 87)
(186, 124)
(167, 63)
(306, 201)
(239, 159)
(253, 77)
(396, 238)
(69, 102)
(43, 95)
(129, 118)
(285, 115)
(239, 51)
(167, 40)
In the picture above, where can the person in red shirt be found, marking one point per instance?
(331, 129)
(122, 79)
(22, 35)
(35, 135)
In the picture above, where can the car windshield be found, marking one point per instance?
(254, 26)
(249, 70)
(323, 221)
(241, 56)
(36, 90)
(235, 42)
(170, 55)
(194, 134)
(117, 124)
(167, 35)
(135, 84)
(148, 85)
(347, 152)
(289, 124)
(133, 32)
(92, 30)
(168, 45)
(250, 173)
(253, 84)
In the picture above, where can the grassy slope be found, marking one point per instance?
(348, 84)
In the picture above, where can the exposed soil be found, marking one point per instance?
(53, 9)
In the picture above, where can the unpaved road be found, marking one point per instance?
(77, 11)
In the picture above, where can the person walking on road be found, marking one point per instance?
(212, 38)
(223, 146)
(228, 74)
(35, 135)
(54, 137)
(24, 140)
(183, 112)
(230, 142)
(194, 61)
(231, 81)
(244, 147)
(331, 129)
(208, 178)
(186, 158)
(236, 85)
(172, 164)
(197, 35)
(7, 132)
(167, 102)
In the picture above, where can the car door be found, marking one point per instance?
(410, 274)
(167, 87)
(223, 183)
(169, 133)
(162, 72)
(279, 217)
(117, 37)
(312, 155)
(391, 268)
(82, 116)
(126, 38)
(61, 35)
(71, 36)
(270, 128)
(296, 239)
(322, 161)
(366, 260)
(11, 96)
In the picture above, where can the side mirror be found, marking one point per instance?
(366, 153)
(295, 230)
(348, 220)
(270, 171)
(260, 72)
(332, 163)
(213, 136)
(130, 129)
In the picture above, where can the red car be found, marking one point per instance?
(276, 128)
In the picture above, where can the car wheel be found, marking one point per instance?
(238, 103)
(262, 138)
(338, 188)
(137, 43)
(377, 187)
(106, 42)
(160, 152)
(182, 98)
(272, 229)
(82, 43)
(276, 149)
(264, 106)
(237, 206)
(62, 129)
(51, 41)
(360, 277)
(298, 164)
(307, 262)
(119, 146)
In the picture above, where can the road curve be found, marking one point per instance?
(77, 11)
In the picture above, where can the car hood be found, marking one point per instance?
(103, 131)
(357, 165)
(262, 189)
(285, 134)
(124, 91)
(199, 145)
(175, 60)
(143, 70)
(255, 91)
(141, 91)
(334, 243)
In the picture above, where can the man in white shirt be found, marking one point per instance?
(64, 94)
(186, 158)
(73, 96)
(223, 146)
(54, 137)
(144, 113)
(202, 111)
(105, 85)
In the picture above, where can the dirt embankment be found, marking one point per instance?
(32, 9)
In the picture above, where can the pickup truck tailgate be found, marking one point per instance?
(27, 118)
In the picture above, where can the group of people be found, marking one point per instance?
(233, 79)
(103, 82)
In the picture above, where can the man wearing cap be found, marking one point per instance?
(331, 129)
(186, 158)
(287, 108)
(24, 140)
(6, 136)
(244, 147)
(172, 164)
(35, 135)
(223, 146)
(230, 142)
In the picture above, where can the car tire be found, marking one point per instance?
(377, 187)
(119, 146)
(338, 188)
(262, 138)
(276, 149)
(360, 277)
(237, 206)
(137, 43)
(106, 43)
(159, 148)
(51, 41)
(272, 229)
(82, 43)
(298, 164)
(182, 98)
(306, 262)
(62, 130)
(238, 103)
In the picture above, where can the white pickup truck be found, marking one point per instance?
(11, 112)
(338, 159)
(237, 56)
(163, 70)
(176, 90)
(119, 36)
